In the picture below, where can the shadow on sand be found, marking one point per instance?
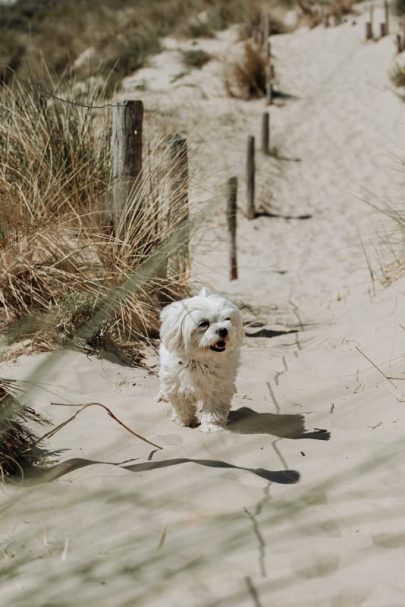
(247, 421)
(241, 421)
(49, 474)
(270, 333)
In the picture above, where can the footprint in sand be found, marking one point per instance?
(389, 540)
(319, 566)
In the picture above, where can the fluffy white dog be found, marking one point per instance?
(199, 356)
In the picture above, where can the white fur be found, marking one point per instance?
(190, 371)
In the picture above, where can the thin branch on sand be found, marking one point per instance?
(375, 367)
(82, 408)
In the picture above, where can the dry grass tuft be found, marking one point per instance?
(60, 260)
(111, 38)
(245, 78)
(195, 58)
(397, 71)
(315, 13)
(18, 451)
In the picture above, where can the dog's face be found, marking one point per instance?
(201, 326)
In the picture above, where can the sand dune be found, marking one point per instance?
(300, 501)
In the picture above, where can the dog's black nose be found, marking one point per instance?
(222, 332)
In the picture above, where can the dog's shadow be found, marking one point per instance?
(248, 421)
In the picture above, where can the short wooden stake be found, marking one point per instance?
(399, 43)
(369, 30)
(268, 51)
(179, 185)
(269, 84)
(250, 178)
(266, 133)
(387, 17)
(127, 122)
(383, 29)
(403, 39)
(231, 217)
(266, 28)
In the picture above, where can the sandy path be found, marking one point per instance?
(303, 504)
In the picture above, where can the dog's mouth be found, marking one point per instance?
(219, 346)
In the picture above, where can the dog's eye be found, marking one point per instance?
(227, 319)
(204, 324)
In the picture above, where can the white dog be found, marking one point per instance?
(199, 356)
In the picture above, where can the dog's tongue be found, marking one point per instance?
(219, 346)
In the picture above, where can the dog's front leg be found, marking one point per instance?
(184, 411)
(214, 416)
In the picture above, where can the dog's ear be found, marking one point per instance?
(171, 328)
(205, 291)
(240, 329)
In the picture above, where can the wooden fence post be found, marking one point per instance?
(266, 28)
(127, 125)
(387, 17)
(403, 39)
(266, 133)
(269, 84)
(383, 29)
(399, 43)
(179, 178)
(370, 24)
(268, 51)
(231, 216)
(250, 178)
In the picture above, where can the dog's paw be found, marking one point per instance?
(210, 427)
(212, 422)
(189, 422)
(161, 398)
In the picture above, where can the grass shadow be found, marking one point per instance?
(50, 474)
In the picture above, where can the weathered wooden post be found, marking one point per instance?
(179, 178)
(369, 24)
(231, 216)
(399, 43)
(269, 84)
(383, 29)
(268, 51)
(266, 133)
(250, 178)
(403, 39)
(127, 125)
(387, 17)
(266, 28)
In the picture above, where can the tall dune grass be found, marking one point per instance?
(18, 450)
(59, 255)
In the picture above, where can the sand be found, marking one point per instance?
(301, 500)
